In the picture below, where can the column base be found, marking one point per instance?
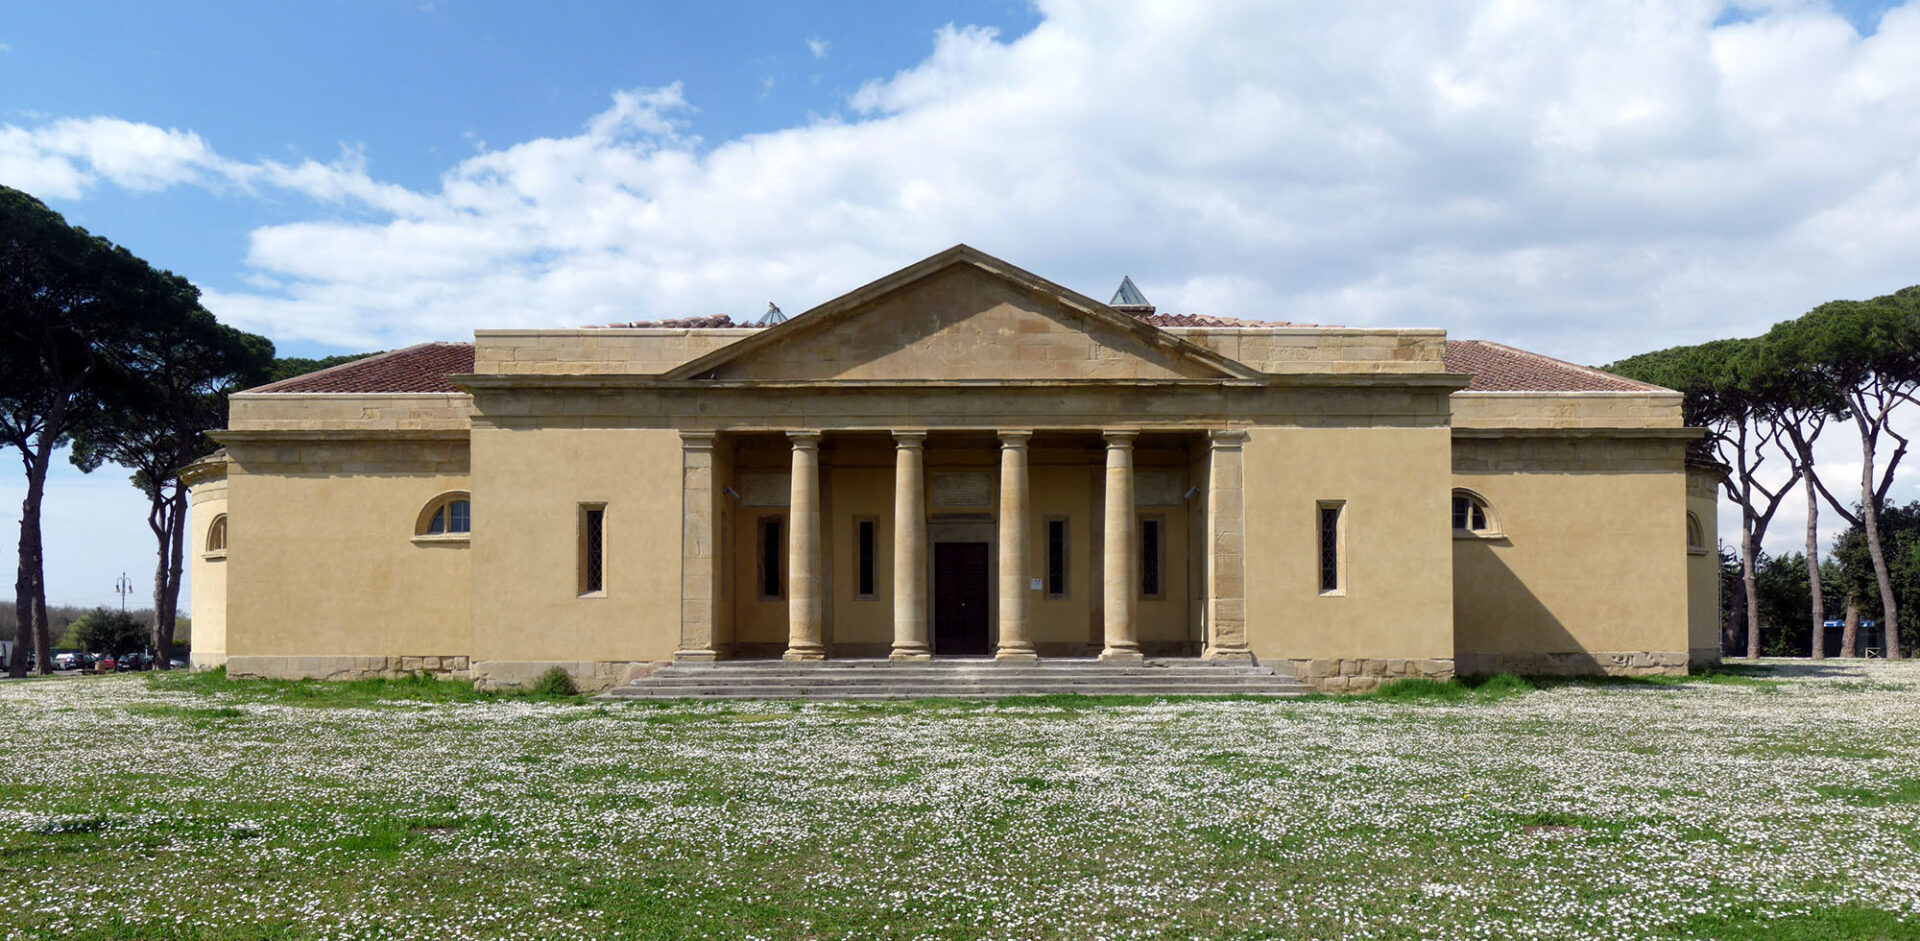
(1122, 654)
(911, 653)
(695, 656)
(1019, 652)
(805, 653)
(1241, 654)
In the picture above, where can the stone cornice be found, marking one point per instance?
(255, 435)
(526, 381)
(1675, 434)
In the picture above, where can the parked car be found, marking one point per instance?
(106, 664)
(67, 661)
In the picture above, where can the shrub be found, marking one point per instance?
(555, 682)
(105, 630)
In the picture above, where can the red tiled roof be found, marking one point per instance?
(714, 322)
(1499, 368)
(422, 368)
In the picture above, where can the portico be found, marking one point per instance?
(1012, 543)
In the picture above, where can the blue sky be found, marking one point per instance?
(1587, 180)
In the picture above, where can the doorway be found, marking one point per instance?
(960, 598)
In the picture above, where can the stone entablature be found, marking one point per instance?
(1284, 350)
(635, 351)
(1567, 410)
(356, 411)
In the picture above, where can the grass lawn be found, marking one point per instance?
(1770, 801)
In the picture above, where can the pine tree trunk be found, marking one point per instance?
(1813, 564)
(1870, 517)
(42, 627)
(1731, 628)
(1748, 549)
(169, 533)
(29, 595)
(1850, 633)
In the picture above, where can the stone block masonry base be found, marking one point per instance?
(1584, 663)
(589, 675)
(1358, 675)
(343, 668)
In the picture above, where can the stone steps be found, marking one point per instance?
(955, 678)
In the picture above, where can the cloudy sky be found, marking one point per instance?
(1589, 180)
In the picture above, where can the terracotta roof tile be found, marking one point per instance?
(714, 322)
(1201, 320)
(1499, 368)
(422, 368)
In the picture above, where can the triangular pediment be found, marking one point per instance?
(962, 315)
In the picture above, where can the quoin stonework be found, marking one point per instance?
(959, 459)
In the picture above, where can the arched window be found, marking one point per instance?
(217, 535)
(1696, 536)
(449, 514)
(1471, 514)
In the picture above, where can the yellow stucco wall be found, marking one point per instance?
(208, 606)
(1397, 601)
(1591, 557)
(325, 564)
(528, 490)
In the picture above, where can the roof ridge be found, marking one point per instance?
(1588, 370)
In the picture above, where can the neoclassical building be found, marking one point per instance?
(961, 459)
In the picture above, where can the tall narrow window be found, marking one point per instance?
(217, 537)
(1152, 552)
(864, 535)
(772, 551)
(1330, 580)
(1057, 557)
(593, 524)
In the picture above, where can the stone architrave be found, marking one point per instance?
(803, 551)
(909, 547)
(1121, 563)
(1016, 636)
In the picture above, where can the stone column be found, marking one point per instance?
(804, 579)
(1122, 563)
(909, 548)
(1016, 636)
(697, 562)
(1226, 550)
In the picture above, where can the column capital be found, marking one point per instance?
(909, 440)
(697, 440)
(1226, 439)
(1016, 438)
(1119, 439)
(804, 440)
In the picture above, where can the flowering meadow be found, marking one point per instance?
(1776, 801)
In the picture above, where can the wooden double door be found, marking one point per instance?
(960, 599)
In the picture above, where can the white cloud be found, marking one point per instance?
(818, 46)
(1590, 180)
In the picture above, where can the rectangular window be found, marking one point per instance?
(1152, 550)
(593, 548)
(1057, 557)
(864, 535)
(1330, 539)
(773, 546)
